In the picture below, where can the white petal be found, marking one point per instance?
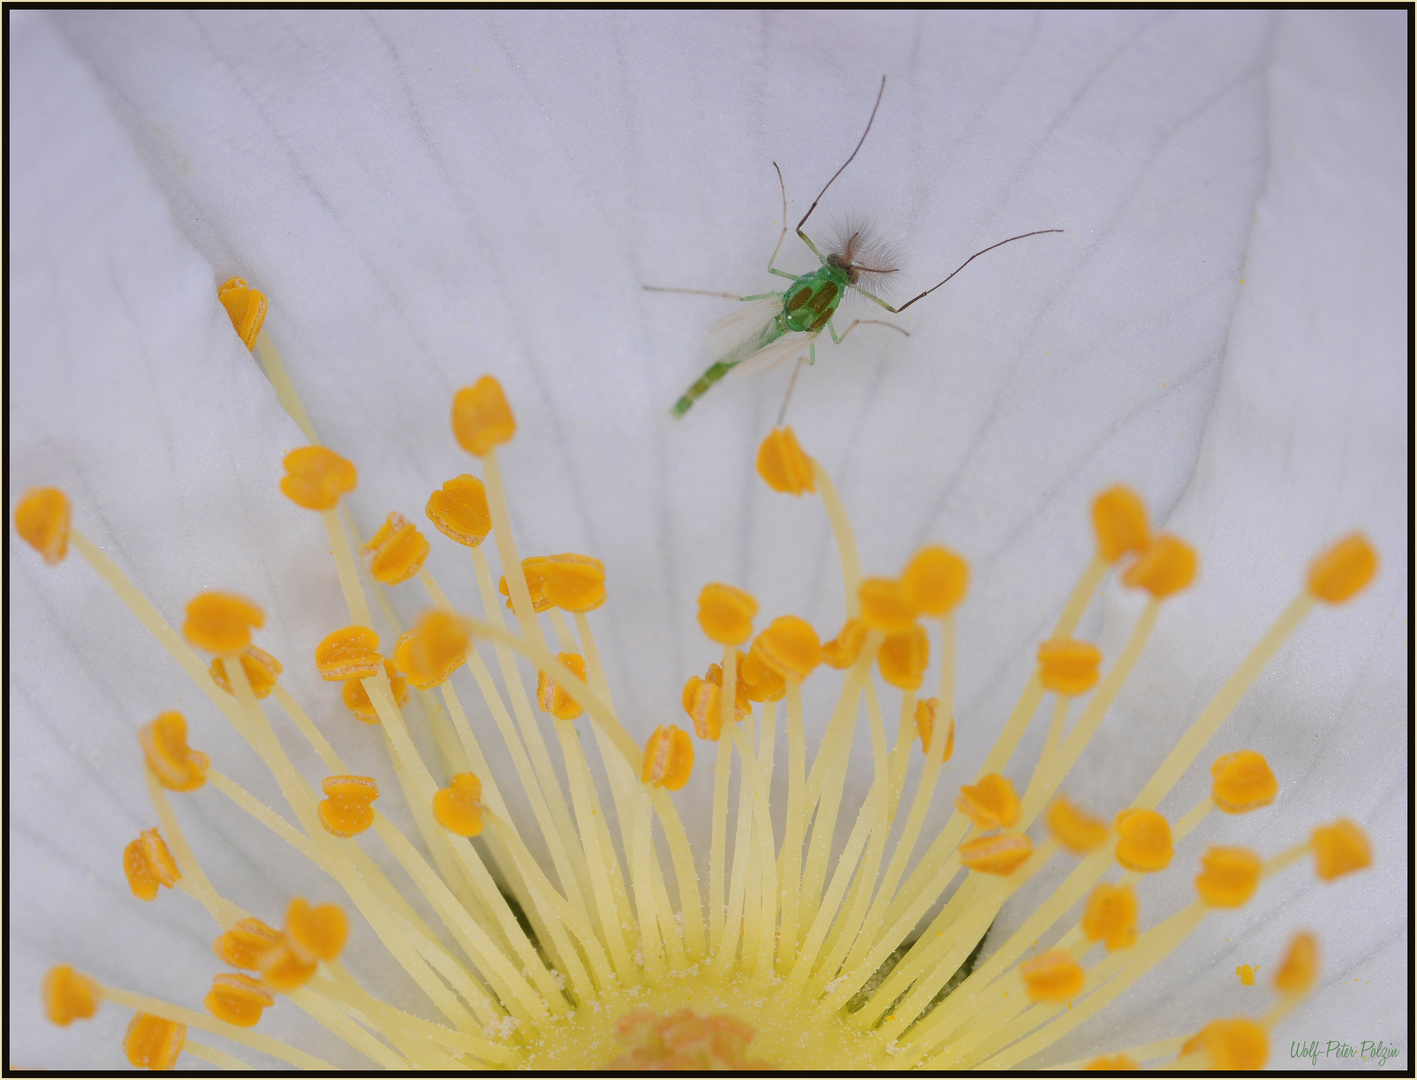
(430, 196)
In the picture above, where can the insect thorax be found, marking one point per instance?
(812, 299)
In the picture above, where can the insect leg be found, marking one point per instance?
(782, 186)
(791, 383)
(858, 322)
(708, 292)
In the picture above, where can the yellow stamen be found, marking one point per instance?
(177, 766)
(790, 647)
(152, 1042)
(69, 995)
(1001, 854)
(1119, 521)
(316, 477)
(886, 607)
(346, 811)
(1111, 916)
(1341, 848)
(783, 464)
(42, 520)
(459, 510)
(903, 658)
(482, 419)
(1243, 782)
(1166, 567)
(935, 580)
(1053, 976)
(245, 943)
(433, 649)
(397, 551)
(1299, 969)
(261, 671)
(1237, 1045)
(349, 653)
(726, 614)
(669, 758)
(237, 999)
(1343, 570)
(1144, 840)
(1067, 666)
(991, 803)
(1077, 831)
(552, 698)
(356, 698)
(221, 622)
(458, 807)
(148, 864)
(245, 306)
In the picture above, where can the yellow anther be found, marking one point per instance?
(1113, 1063)
(42, 520)
(1166, 567)
(245, 944)
(1343, 570)
(1229, 876)
(1001, 854)
(1068, 667)
(1053, 977)
(262, 670)
(1144, 840)
(356, 698)
(703, 701)
(1299, 969)
(935, 580)
(574, 583)
(237, 999)
(669, 758)
(459, 510)
(316, 477)
(176, 766)
(991, 804)
(1340, 849)
(1111, 916)
(148, 864)
(1243, 782)
(552, 697)
(433, 649)
(351, 652)
(726, 614)
(903, 658)
(345, 810)
(1119, 520)
(842, 650)
(246, 308)
(1077, 831)
(482, 418)
(535, 583)
(69, 996)
(926, 710)
(783, 464)
(1237, 1045)
(790, 647)
(885, 607)
(396, 552)
(221, 622)
(760, 680)
(315, 933)
(152, 1042)
(282, 969)
(458, 807)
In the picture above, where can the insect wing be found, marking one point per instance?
(744, 323)
(787, 347)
